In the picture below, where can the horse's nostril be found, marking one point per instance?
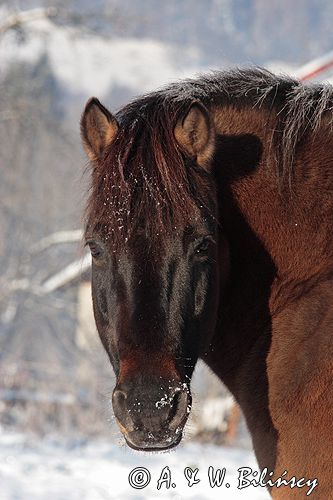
(178, 412)
(174, 403)
(118, 398)
(120, 409)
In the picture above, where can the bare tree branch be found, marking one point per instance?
(66, 275)
(56, 238)
(19, 18)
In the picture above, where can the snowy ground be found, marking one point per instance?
(59, 470)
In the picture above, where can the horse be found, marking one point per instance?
(209, 222)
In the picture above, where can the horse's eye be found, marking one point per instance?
(95, 249)
(203, 246)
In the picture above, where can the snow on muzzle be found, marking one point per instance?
(151, 411)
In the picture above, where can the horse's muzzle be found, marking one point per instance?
(152, 417)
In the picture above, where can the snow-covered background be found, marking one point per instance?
(57, 436)
(98, 470)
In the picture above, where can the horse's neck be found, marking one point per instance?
(286, 224)
(281, 244)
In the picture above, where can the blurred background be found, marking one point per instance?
(55, 379)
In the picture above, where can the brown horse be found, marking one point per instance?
(210, 226)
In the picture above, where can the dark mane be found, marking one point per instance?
(144, 179)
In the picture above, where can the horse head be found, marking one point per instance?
(153, 235)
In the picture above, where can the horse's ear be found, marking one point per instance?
(98, 128)
(195, 134)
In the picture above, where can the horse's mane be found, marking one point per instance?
(144, 178)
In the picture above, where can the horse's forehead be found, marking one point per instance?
(156, 247)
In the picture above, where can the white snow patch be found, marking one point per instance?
(215, 413)
(58, 470)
